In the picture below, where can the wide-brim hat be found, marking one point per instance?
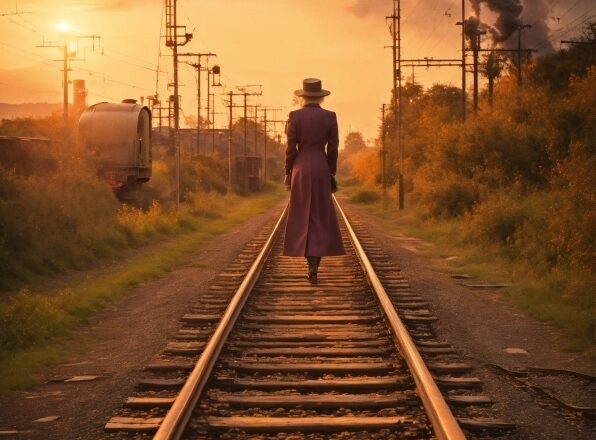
(312, 88)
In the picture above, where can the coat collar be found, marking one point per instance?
(312, 104)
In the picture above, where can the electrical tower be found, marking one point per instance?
(246, 95)
(175, 38)
(265, 127)
(463, 59)
(199, 68)
(230, 126)
(397, 95)
(69, 53)
(383, 152)
(212, 73)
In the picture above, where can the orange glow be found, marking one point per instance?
(276, 43)
(63, 27)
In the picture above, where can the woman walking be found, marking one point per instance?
(312, 230)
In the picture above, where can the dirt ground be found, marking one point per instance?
(481, 326)
(124, 338)
(128, 334)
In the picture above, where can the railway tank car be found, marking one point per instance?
(117, 136)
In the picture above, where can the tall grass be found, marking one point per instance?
(66, 218)
(32, 324)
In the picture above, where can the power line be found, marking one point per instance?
(564, 14)
(574, 24)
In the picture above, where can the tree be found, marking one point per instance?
(492, 69)
(353, 143)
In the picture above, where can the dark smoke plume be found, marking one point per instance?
(536, 14)
(473, 27)
(508, 20)
(511, 14)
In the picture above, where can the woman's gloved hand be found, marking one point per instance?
(288, 181)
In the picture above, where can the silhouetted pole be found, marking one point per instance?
(199, 67)
(475, 57)
(397, 96)
(213, 125)
(172, 37)
(383, 151)
(256, 128)
(400, 146)
(475, 53)
(230, 144)
(174, 45)
(245, 126)
(463, 59)
(265, 145)
(66, 57)
(265, 122)
(519, 51)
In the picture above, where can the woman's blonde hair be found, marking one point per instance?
(305, 100)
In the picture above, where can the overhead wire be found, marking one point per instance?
(572, 25)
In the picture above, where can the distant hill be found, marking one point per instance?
(32, 109)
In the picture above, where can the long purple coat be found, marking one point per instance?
(312, 228)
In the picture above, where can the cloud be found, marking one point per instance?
(364, 8)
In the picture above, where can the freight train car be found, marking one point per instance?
(117, 136)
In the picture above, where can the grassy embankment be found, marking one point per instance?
(65, 219)
(558, 295)
(510, 191)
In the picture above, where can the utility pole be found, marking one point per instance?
(69, 52)
(245, 125)
(212, 73)
(16, 11)
(519, 51)
(230, 144)
(230, 126)
(383, 152)
(265, 127)
(246, 95)
(199, 68)
(475, 48)
(256, 131)
(397, 95)
(463, 60)
(173, 37)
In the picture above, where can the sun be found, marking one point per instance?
(63, 26)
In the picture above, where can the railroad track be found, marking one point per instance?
(264, 353)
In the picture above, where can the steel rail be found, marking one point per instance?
(173, 425)
(444, 424)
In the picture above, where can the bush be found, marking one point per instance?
(52, 221)
(498, 219)
(365, 196)
(445, 195)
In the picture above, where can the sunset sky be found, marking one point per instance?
(275, 43)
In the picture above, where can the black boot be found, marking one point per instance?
(312, 268)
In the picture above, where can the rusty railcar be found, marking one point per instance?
(118, 137)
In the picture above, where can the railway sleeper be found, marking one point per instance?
(385, 383)
(315, 401)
